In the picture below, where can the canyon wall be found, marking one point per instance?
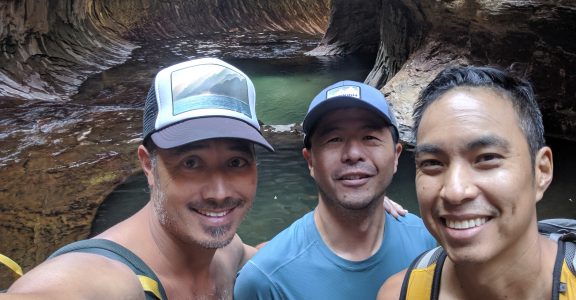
(59, 159)
(50, 47)
(536, 39)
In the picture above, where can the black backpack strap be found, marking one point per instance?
(435, 293)
(556, 284)
(107, 248)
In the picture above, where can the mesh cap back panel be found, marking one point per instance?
(150, 112)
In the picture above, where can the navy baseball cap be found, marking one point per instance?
(201, 99)
(347, 94)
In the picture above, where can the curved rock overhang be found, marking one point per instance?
(50, 47)
(536, 39)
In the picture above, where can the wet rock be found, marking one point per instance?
(58, 163)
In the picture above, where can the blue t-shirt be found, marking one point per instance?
(297, 264)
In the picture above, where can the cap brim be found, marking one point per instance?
(314, 116)
(198, 129)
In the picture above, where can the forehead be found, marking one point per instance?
(238, 145)
(466, 112)
(340, 117)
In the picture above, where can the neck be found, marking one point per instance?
(352, 235)
(525, 275)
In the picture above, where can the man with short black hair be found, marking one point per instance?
(481, 167)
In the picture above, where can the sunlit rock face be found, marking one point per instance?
(536, 39)
(418, 38)
(50, 47)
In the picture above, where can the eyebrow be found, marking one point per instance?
(488, 141)
(244, 147)
(482, 142)
(189, 147)
(426, 148)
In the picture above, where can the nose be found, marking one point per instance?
(353, 151)
(216, 187)
(458, 186)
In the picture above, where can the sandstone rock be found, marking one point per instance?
(420, 38)
(60, 160)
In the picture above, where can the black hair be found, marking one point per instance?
(518, 91)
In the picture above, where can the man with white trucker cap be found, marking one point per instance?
(200, 128)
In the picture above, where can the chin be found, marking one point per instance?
(357, 204)
(217, 237)
(216, 243)
(468, 255)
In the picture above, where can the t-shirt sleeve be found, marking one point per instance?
(418, 228)
(251, 283)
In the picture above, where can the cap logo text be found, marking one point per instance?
(347, 91)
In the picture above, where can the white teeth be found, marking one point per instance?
(213, 214)
(465, 224)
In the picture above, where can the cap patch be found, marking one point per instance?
(209, 86)
(346, 90)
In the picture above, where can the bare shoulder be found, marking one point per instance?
(391, 288)
(78, 276)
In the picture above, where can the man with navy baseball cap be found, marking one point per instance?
(348, 245)
(200, 128)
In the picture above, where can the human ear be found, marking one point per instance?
(543, 171)
(146, 164)
(398, 149)
(308, 157)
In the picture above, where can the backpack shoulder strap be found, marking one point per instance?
(424, 261)
(569, 251)
(558, 228)
(150, 282)
(12, 265)
(564, 274)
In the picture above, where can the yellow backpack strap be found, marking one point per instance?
(564, 280)
(5, 260)
(422, 279)
(150, 285)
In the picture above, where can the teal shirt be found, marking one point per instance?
(297, 264)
